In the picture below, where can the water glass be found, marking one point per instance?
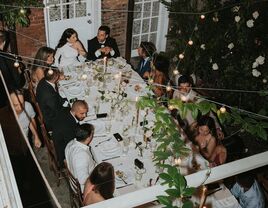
(126, 142)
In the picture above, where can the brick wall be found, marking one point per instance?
(36, 30)
(117, 21)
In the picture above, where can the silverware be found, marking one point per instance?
(110, 158)
(156, 180)
(103, 141)
(121, 178)
(214, 191)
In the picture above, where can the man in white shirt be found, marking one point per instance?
(248, 191)
(79, 158)
(26, 114)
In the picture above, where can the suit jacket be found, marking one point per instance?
(50, 102)
(63, 131)
(145, 68)
(94, 45)
(13, 79)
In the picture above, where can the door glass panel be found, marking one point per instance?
(137, 9)
(80, 9)
(154, 24)
(135, 42)
(155, 8)
(145, 25)
(144, 37)
(147, 9)
(54, 13)
(136, 27)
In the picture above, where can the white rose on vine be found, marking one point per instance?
(256, 73)
(236, 8)
(255, 14)
(203, 46)
(255, 65)
(250, 23)
(150, 124)
(264, 81)
(237, 18)
(215, 66)
(230, 46)
(260, 60)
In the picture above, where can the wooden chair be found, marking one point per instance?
(74, 189)
(52, 156)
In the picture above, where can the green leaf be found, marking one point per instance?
(188, 191)
(173, 192)
(164, 200)
(166, 177)
(187, 204)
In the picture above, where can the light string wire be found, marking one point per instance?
(133, 11)
(165, 86)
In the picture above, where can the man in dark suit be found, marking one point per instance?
(65, 126)
(13, 76)
(47, 96)
(102, 45)
(145, 51)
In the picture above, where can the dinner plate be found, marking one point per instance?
(110, 148)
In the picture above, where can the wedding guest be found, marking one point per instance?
(146, 51)
(43, 59)
(65, 126)
(102, 45)
(100, 185)
(13, 76)
(248, 191)
(26, 114)
(208, 143)
(69, 50)
(78, 156)
(47, 96)
(159, 74)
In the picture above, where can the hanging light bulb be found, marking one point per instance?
(190, 42)
(175, 72)
(16, 63)
(22, 11)
(181, 56)
(202, 16)
(222, 109)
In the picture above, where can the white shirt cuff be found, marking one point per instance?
(97, 53)
(112, 52)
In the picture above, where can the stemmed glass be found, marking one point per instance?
(126, 142)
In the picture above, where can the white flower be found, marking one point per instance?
(256, 73)
(230, 46)
(255, 65)
(236, 8)
(149, 133)
(237, 18)
(215, 66)
(215, 19)
(260, 60)
(150, 124)
(255, 14)
(203, 46)
(250, 23)
(264, 81)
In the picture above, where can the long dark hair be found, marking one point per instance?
(210, 123)
(41, 57)
(66, 34)
(103, 178)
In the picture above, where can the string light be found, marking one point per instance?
(22, 11)
(168, 88)
(190, 42)
(175, 72)
(223, 109)
(202, 16)
(16, 63)
(171, 107)
(181, 56)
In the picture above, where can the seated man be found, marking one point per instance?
(146, 52)
(48, 98)
(26, 114)
(65, 126)
(100, 184)
(248, 192)
(102, 45)
(79, 159)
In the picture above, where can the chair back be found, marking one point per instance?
(74, 188)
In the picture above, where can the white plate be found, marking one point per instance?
(110, 148)
(99, 127)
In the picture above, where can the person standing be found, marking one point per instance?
(102, 45)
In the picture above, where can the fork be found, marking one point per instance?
(103, 141)
(121, 177)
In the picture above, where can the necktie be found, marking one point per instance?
(90, 150)
(142, 64)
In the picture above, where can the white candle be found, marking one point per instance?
(137, 112)
(203, 196)
(177, 161)
(105, 64)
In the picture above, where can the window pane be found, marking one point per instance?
(136, 27)
(54, 13)
(154, 24)
(145, 25)
(81, 9)
(153, 37)
(51, 2)
(68, 11)
(155, 8)
(147, 9)
(144, 37)
(137, 7)
(135, 42)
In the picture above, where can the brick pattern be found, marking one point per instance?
(116, 20)
(36, 30)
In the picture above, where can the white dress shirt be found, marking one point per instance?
(98, 53)
(252, 198)
(26, 116)
(79, 161)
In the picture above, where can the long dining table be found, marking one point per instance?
(111, 88)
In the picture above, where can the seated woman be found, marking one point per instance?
(208, 143)
(43, 59)
(159, 74)
(69, 50)
(100, 184)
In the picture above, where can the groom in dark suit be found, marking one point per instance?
(48, 98)
(102, 45)
(65, 126)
